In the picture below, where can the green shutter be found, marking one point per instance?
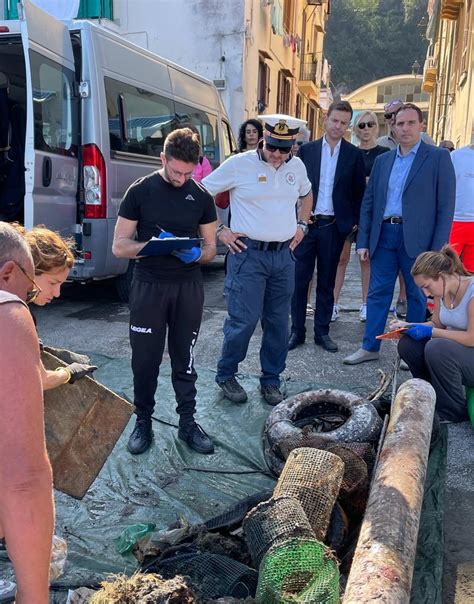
(11, 10)
(95, 9)
(88, 9)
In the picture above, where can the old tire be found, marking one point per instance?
(289, 424)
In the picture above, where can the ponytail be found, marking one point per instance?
(432, 264)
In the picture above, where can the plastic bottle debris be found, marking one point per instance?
(58, 557)
(7, 591)
(131, 535)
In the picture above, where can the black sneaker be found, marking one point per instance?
(141, 437)
(195, 437)
(233, 390)
(271, 393)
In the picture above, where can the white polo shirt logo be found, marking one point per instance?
(290, 178)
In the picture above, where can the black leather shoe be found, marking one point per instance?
(295, 341)
(195, 437)
(326, 342)
(141, 437)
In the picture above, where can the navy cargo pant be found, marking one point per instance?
(155, 308)
(259, 286)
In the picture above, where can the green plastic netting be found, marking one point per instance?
(299, 570)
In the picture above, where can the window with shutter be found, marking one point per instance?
(96, 9)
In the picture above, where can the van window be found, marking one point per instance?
(149, 118)
(55, 107)
(206, 123)
(227, 139)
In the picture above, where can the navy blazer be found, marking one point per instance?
(427, 201)
(349, 181)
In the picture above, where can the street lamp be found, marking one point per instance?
(415, 68)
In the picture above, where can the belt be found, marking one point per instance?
(393, 220)
(266, 246)
(320, 218)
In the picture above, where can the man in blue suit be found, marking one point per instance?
(337, 174)
(407, 209)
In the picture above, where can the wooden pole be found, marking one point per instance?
(382, 568)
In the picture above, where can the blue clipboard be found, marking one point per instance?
(163, 247)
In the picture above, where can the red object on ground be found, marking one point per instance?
(462, 240)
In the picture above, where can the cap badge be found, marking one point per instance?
(281, 128)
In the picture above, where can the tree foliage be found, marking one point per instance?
(371, 39)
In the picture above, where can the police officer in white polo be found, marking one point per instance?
(265, 228)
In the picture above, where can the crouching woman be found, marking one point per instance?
(442, 351)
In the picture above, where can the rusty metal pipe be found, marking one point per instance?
(382, 568)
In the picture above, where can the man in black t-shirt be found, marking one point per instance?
(167, 291)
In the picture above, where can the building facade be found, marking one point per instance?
(449, 70)
(265, 56)
(374, 95)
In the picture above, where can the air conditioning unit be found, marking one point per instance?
(220, 84)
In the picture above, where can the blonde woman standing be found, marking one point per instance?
(366, 130)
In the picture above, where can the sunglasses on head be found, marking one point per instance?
(362, 125)
(33, 293)
(282, 150)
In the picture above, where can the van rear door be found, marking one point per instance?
(52, 127)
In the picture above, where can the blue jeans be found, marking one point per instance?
(388, 259)
(259, 286)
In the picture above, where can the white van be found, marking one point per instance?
(92, 112)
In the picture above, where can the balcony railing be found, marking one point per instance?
(308, 68)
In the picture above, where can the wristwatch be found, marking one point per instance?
(303, 226)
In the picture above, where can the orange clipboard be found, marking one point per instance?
(396, 334)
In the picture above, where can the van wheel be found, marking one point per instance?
(123, 283)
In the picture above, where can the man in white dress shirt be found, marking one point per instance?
(337, 174)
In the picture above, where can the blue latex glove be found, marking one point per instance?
(419, 332)
(188, 255)
(165, 235)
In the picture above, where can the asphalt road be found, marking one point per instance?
(89, 318)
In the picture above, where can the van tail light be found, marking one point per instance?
(95, 190)
(4, 29)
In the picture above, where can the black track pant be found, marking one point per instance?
(154, 308)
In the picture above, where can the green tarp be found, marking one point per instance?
(169, 481)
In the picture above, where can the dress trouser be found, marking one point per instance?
(259, 285)
(448, 366)
(156, 307)
(388, 259)
(322, 246)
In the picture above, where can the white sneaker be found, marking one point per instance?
(335, 312)
(360, 356)
(363, 313)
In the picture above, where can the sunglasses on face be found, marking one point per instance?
(388, 116)
(362, 125)
(299, 143)
(282, 150)
(33, 293)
